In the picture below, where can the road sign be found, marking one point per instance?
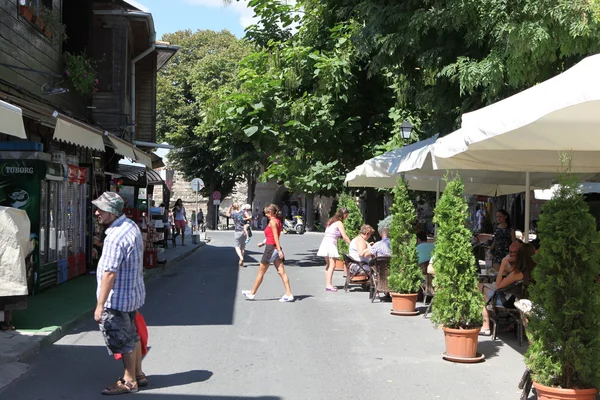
(197, 184)
(216, 202)
(216, 195)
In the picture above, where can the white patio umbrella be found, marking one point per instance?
(526, 132)
(415, 162)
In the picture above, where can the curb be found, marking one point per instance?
(61, 331)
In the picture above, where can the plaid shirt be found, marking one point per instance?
(123, 253)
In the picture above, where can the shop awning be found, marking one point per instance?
(72, 131)
(11, 118)
(140, 174)
(143, 158)
(122, 147)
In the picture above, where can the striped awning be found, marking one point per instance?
(140, 174)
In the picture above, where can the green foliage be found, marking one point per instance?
(564, 326)
(458, 302)
(81, 71)
(405, 274)
(189, 89)
(52, 22)
(352, 224)
(385, 223)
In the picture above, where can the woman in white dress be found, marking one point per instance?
(328, 249)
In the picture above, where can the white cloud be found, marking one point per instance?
(246, 14)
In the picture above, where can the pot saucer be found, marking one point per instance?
(478, 358)
(404, 313)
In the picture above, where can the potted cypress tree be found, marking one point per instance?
(405, 275)
(352, 225)
(457, 303)
(564, 327)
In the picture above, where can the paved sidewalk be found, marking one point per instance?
(52, 314)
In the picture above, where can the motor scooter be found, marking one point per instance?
(294, 226)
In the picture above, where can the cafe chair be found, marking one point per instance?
(512, 292)
(380, 270)
(358, 273)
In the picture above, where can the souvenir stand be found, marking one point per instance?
(136, 186)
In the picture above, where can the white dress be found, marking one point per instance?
(328, 246)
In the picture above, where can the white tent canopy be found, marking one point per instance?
(547, 194)
(526, 131)
(415, 161)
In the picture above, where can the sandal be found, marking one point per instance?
(142, 380)
(121, 387)
(485, 332)
(241, 263)
(5, 326)
(331, 289)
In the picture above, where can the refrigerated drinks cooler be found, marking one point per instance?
(36, 186)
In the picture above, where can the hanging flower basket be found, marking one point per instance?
(80, 70)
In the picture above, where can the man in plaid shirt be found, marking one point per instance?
(121, 291)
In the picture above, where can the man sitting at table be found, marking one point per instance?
(424, 249)
(383, 247)
(509, 261)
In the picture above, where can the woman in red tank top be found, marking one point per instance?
(273, 254)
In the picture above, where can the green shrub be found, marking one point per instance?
(458, 302)
(352, 224)
(565, 323)
(384, 223)
(405, 274)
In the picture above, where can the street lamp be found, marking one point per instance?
(406, 129)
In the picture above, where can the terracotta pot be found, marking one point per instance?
(553, 393)
(404, 302)
(26, 12)
(340, 265)
(461, 343)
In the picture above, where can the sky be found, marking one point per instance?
(173, 15)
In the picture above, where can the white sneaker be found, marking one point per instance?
(247, 294)
(286, 298)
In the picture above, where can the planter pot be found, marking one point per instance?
(461, 345)
(404, 304)
(552, 393)
(340, 265)
(26, 12)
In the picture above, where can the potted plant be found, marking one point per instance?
(352, 225)
(564, 326)
(405, 275)
(81, 71)
(49, 21)
(25, 10)
(458, 303)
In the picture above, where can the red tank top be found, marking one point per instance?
(269, 231)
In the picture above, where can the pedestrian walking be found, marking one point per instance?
(328, 249)
(239, 234)
(201, 221)
(120, 291)
(180, 219)
(273, 255)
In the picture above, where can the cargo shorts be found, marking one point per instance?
(119, 331)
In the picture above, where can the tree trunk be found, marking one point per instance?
(211, 211)
(251, 187)
(374, 207)
(310, 212)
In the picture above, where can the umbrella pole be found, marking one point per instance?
(437, 200)
(527, 206)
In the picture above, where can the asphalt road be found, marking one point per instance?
(208, 342)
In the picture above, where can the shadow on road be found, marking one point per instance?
(307, 259)
(178, 379)
(200, 290)
(166, 396)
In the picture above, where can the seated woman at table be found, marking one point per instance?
(360, 249)
(522, 271)
(424, 249)
(504, 235)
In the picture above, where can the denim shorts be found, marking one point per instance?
(119, 331)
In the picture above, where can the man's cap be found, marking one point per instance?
(110, 202)
(246, 207)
